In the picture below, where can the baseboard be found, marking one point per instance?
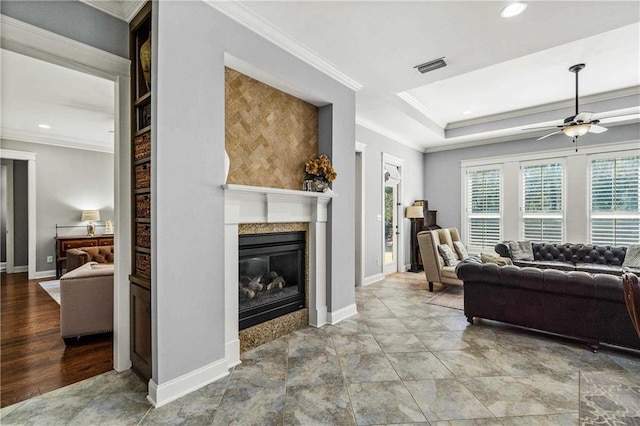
(232, 353)
(44, 274)
(372, 279)
(405, 268)
(335, 317)
(164, 393)
(3, 266)
(23, 268)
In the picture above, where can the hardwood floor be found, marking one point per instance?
(34, 359)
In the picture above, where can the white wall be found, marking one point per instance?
(413, 189)
(191, 39)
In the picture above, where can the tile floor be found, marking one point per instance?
(399, 361)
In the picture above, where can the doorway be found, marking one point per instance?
(391, 210)
(359, 200)
(14, 216)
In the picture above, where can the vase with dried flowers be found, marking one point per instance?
(320, 174)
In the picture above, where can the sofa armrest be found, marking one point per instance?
(503, 250)
(76, 258)
(86, 301)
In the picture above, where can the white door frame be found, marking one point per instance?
(35, 42)
(399, 163)
(360, 147)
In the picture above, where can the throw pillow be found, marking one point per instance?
(447, 255)
(461, 250)
(632, 258)
(521, 250)
(500, 261)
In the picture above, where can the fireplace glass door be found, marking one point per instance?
(271, 276)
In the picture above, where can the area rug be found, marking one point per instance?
(52, 288)
(451, 296)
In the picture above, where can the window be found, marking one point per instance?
(483, 208)
(615, 210)
(542, 202)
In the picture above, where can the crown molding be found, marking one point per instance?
(387, 134)
(63, 142)
(421, 108)
(554, 106)
(124, 10)
(24, 38)
(263, 28)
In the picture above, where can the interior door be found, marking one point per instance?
(390, 253)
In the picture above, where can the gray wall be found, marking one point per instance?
(74, 20)
(20, 218)
(188, 298)
(67, 181)
(442, 180)
(413, 189)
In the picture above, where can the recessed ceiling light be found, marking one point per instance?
(513, 9)
(467, 112)
(44, 126)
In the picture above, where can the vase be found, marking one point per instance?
(315, 184)
(145, 61)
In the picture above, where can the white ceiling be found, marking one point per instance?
(510, 73)
(79, 108)
(503, 70)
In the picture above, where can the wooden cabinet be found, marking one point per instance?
(141, 330)
(76, 241)
(141, 176)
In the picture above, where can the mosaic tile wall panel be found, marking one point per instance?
(269, 134)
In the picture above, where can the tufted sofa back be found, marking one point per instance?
(572, 253)
(602, 255)
(565, 252)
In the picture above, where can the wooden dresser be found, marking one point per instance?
(76, 241)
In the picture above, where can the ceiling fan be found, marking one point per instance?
(577, 125)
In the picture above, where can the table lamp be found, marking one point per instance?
(90, 216)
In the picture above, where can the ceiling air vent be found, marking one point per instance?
(432, 65)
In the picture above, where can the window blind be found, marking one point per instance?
(542, 211)
(615, 207)
(483, 208)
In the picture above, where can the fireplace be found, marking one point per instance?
(271, 273)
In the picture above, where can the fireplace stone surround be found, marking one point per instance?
(251, 204)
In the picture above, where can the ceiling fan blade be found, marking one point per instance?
(597, 129)
(542, 127)
(583, 117)
(550, 134)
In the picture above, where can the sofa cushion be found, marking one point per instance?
(521, 250)
(554, 264)
(500, 261)
(447, 254)
(632, 257)
(461, 250)
(603, 255)
(597, 268)
(449, 272)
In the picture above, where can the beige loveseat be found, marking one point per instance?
(86, 301)
(434, 267)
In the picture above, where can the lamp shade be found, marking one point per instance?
(90, 215)
(415, 212)
(578, 130)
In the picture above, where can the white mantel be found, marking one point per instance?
(252, 204)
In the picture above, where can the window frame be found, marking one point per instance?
(467, 215)
(613, 215)
(521, 196)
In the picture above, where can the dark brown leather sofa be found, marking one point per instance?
(572, 257)
(590, 307)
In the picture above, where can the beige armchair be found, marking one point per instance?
(434, 267)
(86, 301)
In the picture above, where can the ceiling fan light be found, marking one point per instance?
(513, 9)
(578, 130)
